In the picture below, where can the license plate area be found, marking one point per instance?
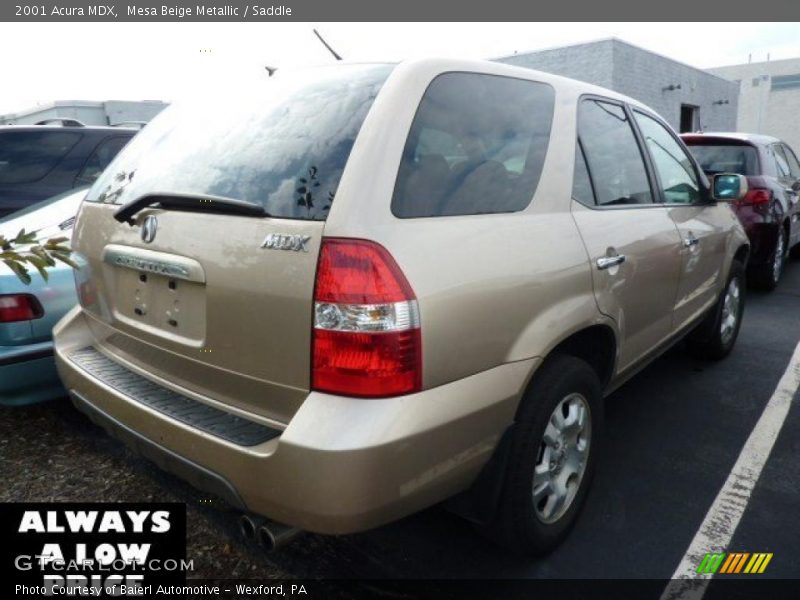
(157, 294)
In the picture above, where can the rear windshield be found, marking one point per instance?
(477, 145)
(726, 158)
(283, 145)
(27, 156)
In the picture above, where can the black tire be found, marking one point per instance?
(765, 277)
(517, 526)
(795, 251)
(709, 341)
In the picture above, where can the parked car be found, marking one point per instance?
(366, 289)
(770, 211)
(28, 312)
(40, 161)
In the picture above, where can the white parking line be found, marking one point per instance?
(723, 517)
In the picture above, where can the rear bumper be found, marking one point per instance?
(28, 374)
(341, 465)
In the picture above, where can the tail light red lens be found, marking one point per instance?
(367, 339)
(757, 197)
(19, 307)
(759, 192)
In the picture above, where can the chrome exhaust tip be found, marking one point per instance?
(248, 526)
(272, 535)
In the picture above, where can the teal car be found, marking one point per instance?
(28, 312)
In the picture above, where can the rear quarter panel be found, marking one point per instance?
(492, 289)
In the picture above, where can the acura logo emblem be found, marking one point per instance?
(149, 228)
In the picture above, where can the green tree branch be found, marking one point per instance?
(26, 249)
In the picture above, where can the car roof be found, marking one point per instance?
(559, 82)
(752, 138)
(491, 67)
(106, 128)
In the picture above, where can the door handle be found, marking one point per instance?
(690, 241)
(606, 262)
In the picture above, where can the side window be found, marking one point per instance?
(794, 165)
(781, 161)
(581, 182)
(27, 156)
(99, 159)
(477, 145)
(612, 154)
(675, 169)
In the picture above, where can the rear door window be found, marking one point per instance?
(612, 155)
(27, 156)
(476, 146)
(675, 169)
(581, 182)
(794, 165)
(781, 161)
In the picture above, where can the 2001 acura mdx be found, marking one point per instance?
(366, 289)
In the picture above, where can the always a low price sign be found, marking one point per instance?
(97, 549)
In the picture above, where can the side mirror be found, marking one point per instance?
(729, 187)
(796, 186)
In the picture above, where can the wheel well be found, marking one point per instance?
(596, 345)
(742, 253)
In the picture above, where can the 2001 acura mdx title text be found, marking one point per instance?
(365, 289)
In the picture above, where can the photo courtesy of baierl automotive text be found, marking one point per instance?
(343, 300)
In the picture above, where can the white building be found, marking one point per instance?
(110, 112)
(690, 99)
(769, 98)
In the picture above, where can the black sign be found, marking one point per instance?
(93, 549)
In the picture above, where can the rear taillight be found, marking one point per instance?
(757, 197)
(367, 338)
(758, 194)
(19, 307)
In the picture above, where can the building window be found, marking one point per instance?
(690, 118)
(786, 82)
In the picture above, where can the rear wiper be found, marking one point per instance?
(216, 204)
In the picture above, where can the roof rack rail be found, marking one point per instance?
(61, 121)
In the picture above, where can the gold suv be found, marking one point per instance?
(356, 291)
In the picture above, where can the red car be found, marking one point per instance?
(770, 212)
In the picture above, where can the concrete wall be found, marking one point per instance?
(592, 62)
(111, 112)
(642, 75)
(119, 111)
(763, 109)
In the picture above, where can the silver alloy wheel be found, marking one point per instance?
(562, 459)
(730, 310)
(777, 261)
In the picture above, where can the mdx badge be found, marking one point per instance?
(149, 228)
(278, 241)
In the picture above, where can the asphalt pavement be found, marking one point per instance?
(673, 434)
